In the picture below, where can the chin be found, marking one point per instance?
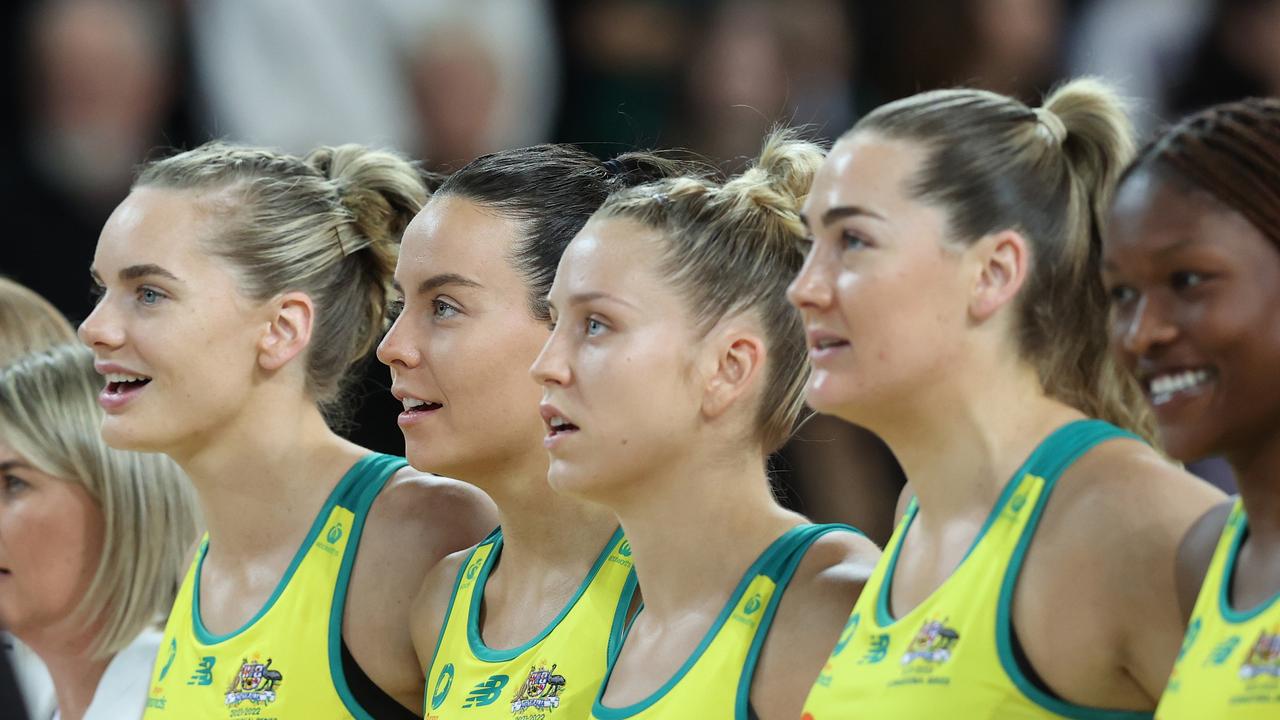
(1186, 445)
(567, 478)
(121, 434)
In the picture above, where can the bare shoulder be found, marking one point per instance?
(1196, 552)
(813, 610)
(432, 515)
(431, 604)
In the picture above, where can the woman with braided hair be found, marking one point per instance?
(238, 288)
(1192, 262)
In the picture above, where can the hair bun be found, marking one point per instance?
(779, 180)
(381, 189)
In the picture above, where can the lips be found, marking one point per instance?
(823, 343)
(558, 424)
(122, 385)
(415, 408)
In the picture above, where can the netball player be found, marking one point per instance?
(521, 625)
(239, 286)
(953, 305)
(675, 368)
(1192, 262)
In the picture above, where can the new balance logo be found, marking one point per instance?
(486, 693)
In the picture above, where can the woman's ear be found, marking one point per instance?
(288, 330)
(1002, 262)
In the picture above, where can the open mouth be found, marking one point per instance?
(557, 426)
(1165, 387)
(122, 384)
(414, 406)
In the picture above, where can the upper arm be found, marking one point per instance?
(1097, 603)
(1196, 552)
(813, 611)
(427, 616)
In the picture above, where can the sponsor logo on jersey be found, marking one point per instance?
(444, 681)
(933, 644)
(173, 652)
(203, 674)
(486, 692)
(541, 690)
(334, 534)
(254, 683)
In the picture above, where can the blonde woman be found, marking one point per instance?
(675, 368)
(92, 540)
(28, 322)
(953, 306)
(240, 286)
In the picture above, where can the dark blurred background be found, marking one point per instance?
(96, 86)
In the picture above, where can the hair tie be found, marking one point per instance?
(614, 167)
(348, 240)
(1052, 124)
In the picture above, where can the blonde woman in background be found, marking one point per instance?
(28, 323)
(92, 540)
(240, 287)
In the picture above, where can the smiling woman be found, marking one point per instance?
(238, 288)
(1192, 260)
(92, 540)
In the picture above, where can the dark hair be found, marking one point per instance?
(552, 190)
(1232, 152)
(993, 164)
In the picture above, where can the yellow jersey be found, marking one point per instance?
(285, 661)
(1229, 665)
(715, 682)
(954, 655)
(555, 674)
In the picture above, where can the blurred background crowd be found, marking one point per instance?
(95, 86)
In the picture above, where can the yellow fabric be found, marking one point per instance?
(715, 682)
(282, 663)
(1229, 666)
(553, 676)
(951, 655)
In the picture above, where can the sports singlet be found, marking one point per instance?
(1229, 665)
(554, 675)
(953, 654)
(285, 662)
(715, 682)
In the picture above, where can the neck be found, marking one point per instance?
(961, 442)
(1257, 473)
(74, 671)
(714, 510)
(262, 478)
(535, 518)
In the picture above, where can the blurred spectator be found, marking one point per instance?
(98, 87)
(434, 78)
(1008, 46)
(763, 62)
(1138, 45)
(1238, 55)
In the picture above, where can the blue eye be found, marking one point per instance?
(594, 327)
(852, 241)
(14, 484)
(149, 296)
(443, 310)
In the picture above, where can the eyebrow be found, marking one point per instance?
(13, 465)
(438, 281)
(843, 211)
(1180, 244)
(137, 272)
(587, 297)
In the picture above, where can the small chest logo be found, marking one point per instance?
(540, 691)
(486, 692)
(444, 681)
(1263, 658)
(334, 534)
(254, 683)
(933, 644)
(203, 674)
(173, 652)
